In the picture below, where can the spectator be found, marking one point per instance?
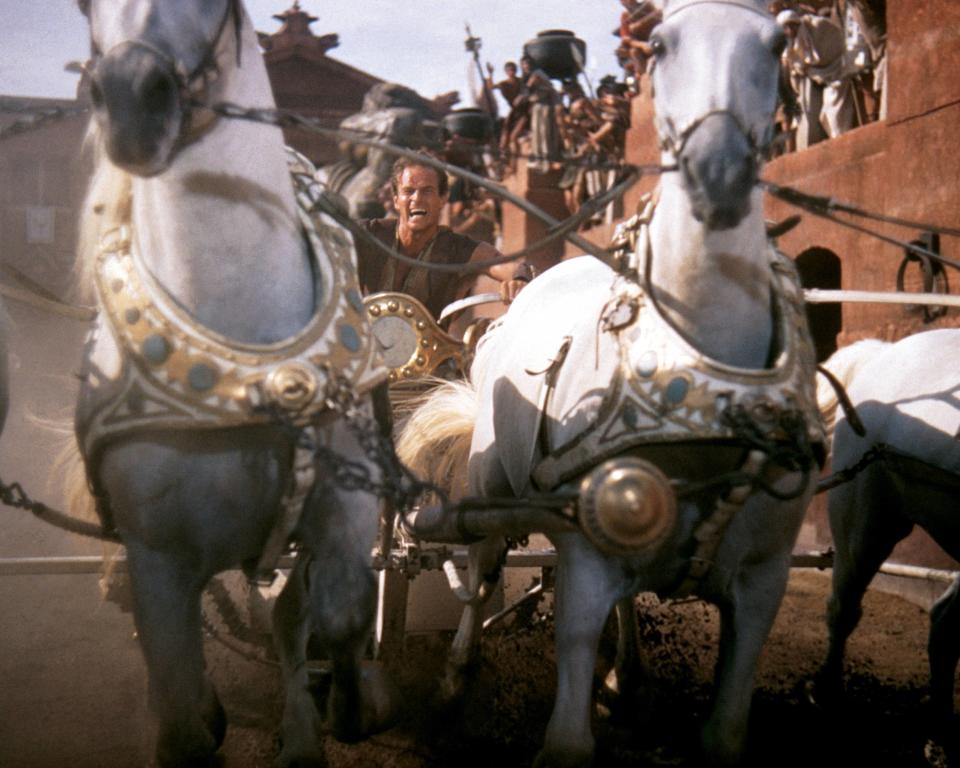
(511, 87)
(544, 126)
(816, 62)
(869, 18)
(637, 20)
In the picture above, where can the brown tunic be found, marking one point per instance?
(378, 272)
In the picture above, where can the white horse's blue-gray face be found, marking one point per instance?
(715, 78)
(145, 55)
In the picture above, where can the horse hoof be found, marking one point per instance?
(453, 684)
(567, 759)
(821, 695)
(935, 754)
(300, 761)
(379, 701)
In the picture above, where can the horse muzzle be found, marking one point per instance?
(718, 166)
(136, 97)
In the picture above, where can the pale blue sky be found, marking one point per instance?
(420, 44)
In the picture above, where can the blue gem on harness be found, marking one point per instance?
(676, 391)
(156, 349)
(202, 377)
(355, 299)
(349, 337)
(132, 316)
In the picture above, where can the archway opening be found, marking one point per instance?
(820, 268)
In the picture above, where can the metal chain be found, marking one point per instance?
(846, 475)
(794, 453)
(14, 496)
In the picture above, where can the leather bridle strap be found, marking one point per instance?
(193, 87)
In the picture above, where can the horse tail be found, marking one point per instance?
(843, 365)
(434, 441)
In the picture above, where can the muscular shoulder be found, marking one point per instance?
(384, 229)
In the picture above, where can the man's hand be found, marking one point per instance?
(510, 288)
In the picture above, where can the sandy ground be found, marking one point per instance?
(74, 694)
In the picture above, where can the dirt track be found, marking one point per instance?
(503, 720)
(74, 693)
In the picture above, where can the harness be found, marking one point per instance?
(179, 375)
(664, 391)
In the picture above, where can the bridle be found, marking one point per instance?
(193, 86)
(673, 138)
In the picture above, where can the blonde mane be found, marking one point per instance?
(434, 441)
(844, 364)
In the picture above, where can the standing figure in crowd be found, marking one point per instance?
(870, 19)
(594, 132)
(544, 125)
(578, 119)
(511, 88)
(637, 20)
(419, 196)
(816, 62)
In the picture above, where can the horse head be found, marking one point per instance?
(715, 74)
(152, 62)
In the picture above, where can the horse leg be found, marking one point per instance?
(331, 593)
(865, 525)
(483, 573)
(944, 651)
(300, 727)
(630, 667)
(484, 559)
(342, 593)
(587, 587)
(746, 617)
(166, 593)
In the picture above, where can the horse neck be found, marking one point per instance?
(220, 230)
(713, 286)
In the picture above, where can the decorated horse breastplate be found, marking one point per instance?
(666, 391)
(177, 374)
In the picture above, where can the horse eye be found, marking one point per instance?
(657, 45)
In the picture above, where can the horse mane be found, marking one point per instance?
(435, 440)
(844, 364)
(106, 206)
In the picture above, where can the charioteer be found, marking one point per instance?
(419, 195)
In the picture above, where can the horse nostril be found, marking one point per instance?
(158, 93)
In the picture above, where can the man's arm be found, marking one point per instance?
(512, 275)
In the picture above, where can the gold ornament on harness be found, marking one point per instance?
(627, 506)
(291, 386)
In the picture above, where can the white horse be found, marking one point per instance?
(228, 316)
(907, 394)
(702, 329)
